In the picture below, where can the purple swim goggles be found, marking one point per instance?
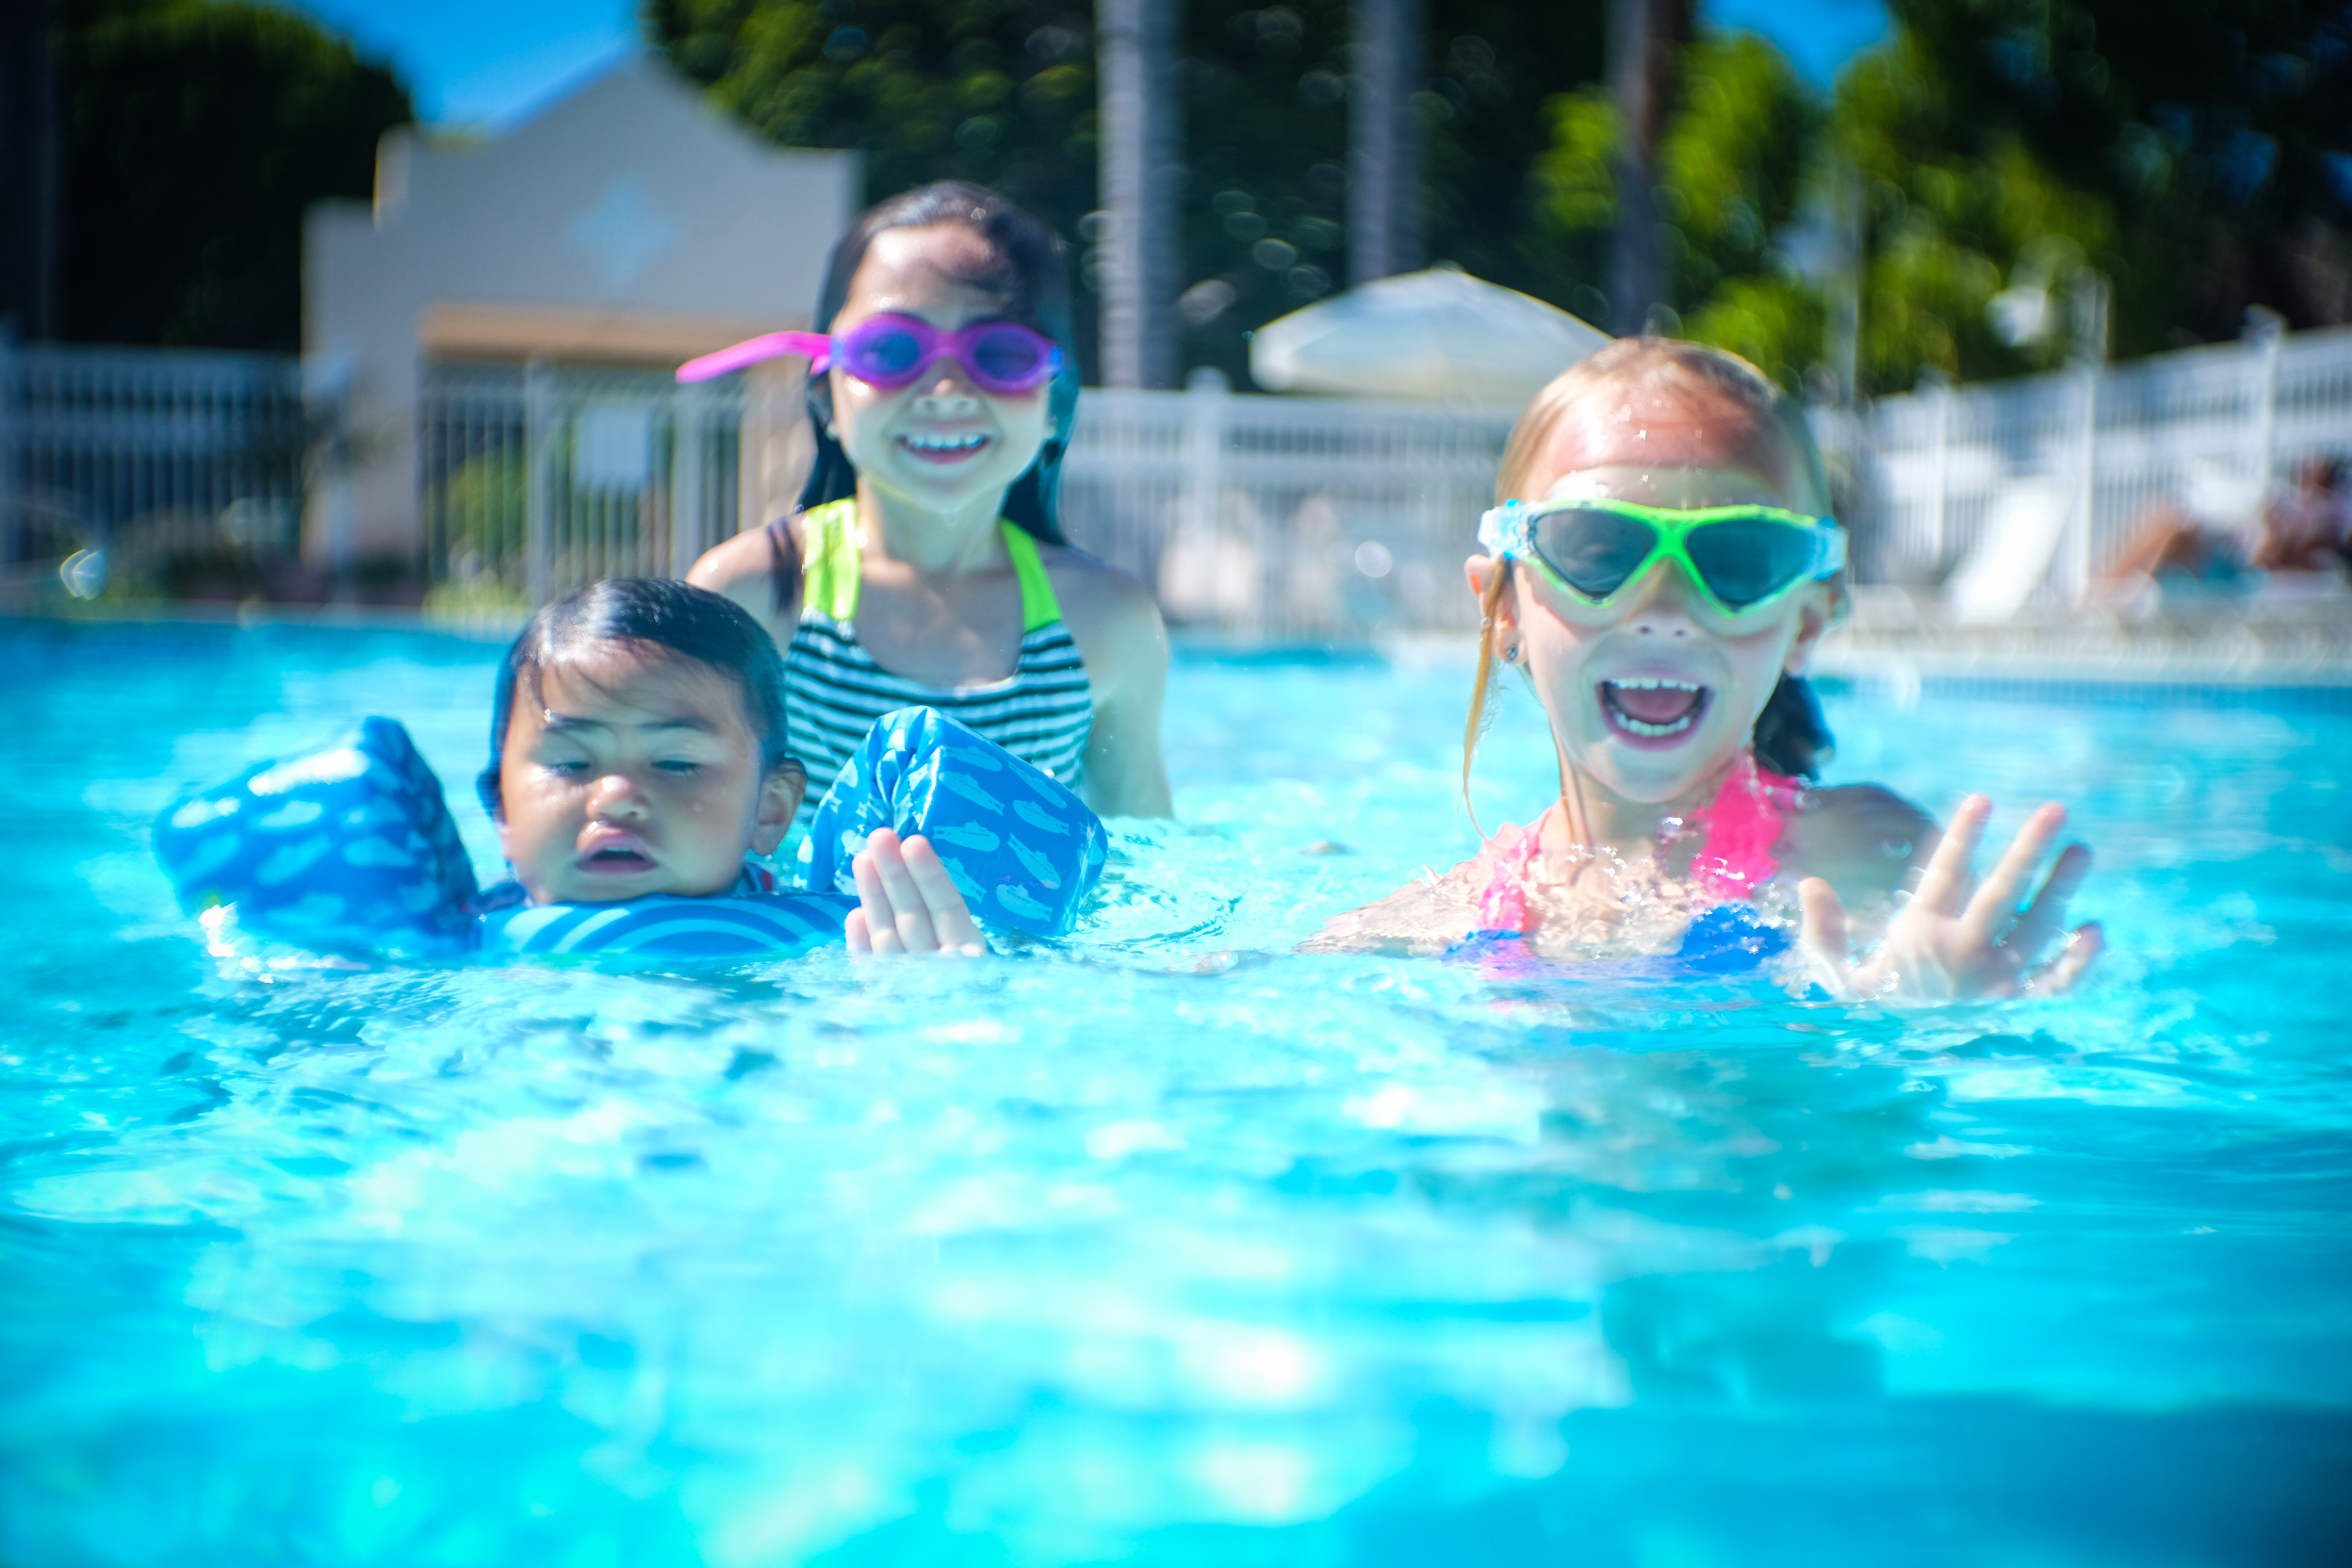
(890, 350)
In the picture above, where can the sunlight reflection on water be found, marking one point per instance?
(1123, 1248)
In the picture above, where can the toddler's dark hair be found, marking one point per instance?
(663, 612)
(1025, 269)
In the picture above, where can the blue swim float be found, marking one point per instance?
(349, 848)
(346, 848)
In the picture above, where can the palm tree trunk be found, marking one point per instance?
(1135, 43)
(1383, 153)
(1642, 39)
(29, 159)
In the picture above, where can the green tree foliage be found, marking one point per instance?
(197, 133)
(2196, 152)
(1265, 131)
(1731, 168)
(1956, 208)
(1732, 162)
(1002, 91)
(2196, 155)
(1266, 145)
(1495, 64)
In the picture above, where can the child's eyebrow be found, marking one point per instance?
(563, 722)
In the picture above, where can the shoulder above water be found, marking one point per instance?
(1113, 617)
(1862, 839)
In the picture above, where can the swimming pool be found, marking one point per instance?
(1175, 1246)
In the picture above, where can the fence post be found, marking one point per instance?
(1205, 397)
(1937, 512)
(685, 477)
(2268, 334)
(328, 460)
(538, 428)
(2074, 554)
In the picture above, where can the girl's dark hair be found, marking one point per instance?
(659, 611)
(1025, 269)
(1790, 735)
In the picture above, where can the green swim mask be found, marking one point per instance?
(1743, 558)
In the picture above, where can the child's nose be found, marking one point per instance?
(616, 797)
(1661, 606)
(946, 387)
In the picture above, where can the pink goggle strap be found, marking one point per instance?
(816, 346)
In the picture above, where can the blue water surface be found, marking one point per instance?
(1169, 1245)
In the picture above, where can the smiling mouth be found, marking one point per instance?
(1653, 709)
(944, 449)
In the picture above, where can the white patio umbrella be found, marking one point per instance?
(1435, 337)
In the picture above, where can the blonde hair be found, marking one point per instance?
(1769, 432)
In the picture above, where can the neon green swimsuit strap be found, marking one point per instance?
(829, 554)
(830, 577)
(1038, 607)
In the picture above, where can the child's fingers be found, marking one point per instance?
(874, 902)
(907, 903)
(854, 930)
(1823, 927)
(1947, 871)
(1995, 904)
(950, 915)
(873, 913)
(2046, 915)
(2084, 943)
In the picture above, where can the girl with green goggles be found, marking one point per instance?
(1690, 819)
(1744, 559)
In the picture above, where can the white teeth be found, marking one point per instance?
(1652, 683)
(944, 443)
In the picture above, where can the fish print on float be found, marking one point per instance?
(348, 848)
(1022, 849)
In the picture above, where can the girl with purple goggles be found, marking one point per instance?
(923, 562)
(890, 350)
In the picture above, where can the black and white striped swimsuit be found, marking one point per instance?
(1042, 713)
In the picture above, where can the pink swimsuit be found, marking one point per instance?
(1742, 826)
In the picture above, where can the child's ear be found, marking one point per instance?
(1481, 570)
(779, 802)
(493, 802)
(1824, 608)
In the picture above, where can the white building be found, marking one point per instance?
(630, 224)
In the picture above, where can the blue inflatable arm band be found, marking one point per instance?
(348, 848)
(351, 848)
(1024, 851)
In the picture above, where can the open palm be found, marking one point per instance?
(1952, 941)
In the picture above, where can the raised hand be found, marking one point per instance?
(1952, 941)
(907, 903)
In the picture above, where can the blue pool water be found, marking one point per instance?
(1174, 1246)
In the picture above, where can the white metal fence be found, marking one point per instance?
(1283, 518)
(1274, 519)
(1270, 517)
(148, 456)
(2212, 431)
(533, 480)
